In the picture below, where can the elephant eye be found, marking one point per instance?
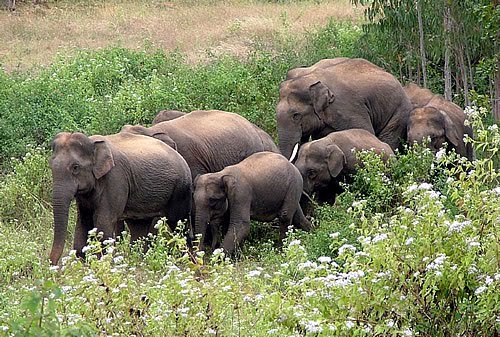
(75, 168)
(296, 116)
(312, 173)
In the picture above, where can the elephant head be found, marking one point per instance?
(435, 124)
(300, 112)
(211, 192)
(77, 163)
(319, 164)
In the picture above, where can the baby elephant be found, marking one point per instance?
(325, 162)
(261, 187)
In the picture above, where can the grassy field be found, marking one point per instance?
(33, 35)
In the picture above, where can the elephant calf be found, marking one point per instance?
(325, 162)
(262, 187)
(114, 178)
(438, 119)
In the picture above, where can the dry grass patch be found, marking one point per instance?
(34, 35)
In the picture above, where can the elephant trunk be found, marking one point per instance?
(200, 226)
(288, 138)
(61, 200)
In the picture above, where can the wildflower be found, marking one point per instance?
(480, 290)
(313, 326)
(93, 231)
(379, 237)
(409, 241)
(54, 268)
(336, 234)
(108, 241)
(349, 324)
(346, 247)
(390, 323)
(324, 259)
(294, 243)
(440, 154)
(407, 332)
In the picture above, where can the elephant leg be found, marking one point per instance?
(119, 228)
(139, 228)
(84, 223)
(235, 235)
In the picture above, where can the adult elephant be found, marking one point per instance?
(340, 94)
(210, 140)
(439, 119)
(114, 178)
(326, 162)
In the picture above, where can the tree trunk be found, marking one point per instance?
(447, 47)
(421, 35)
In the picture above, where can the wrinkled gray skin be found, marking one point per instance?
(167, 115)
(340, 94)
(262, 187)
(209, 140)
(325, 162)
(439, 119)
(115, 178)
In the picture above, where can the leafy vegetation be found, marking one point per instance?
(410, 248)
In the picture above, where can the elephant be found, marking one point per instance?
(341, 94)
(325, 162)
(167, 115)
(209, 140)
(114, 178)
(262, 187)
(439, 119)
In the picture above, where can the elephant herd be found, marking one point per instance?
(218, 171)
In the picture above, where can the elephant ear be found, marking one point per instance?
(228, 184)
(103, 158)
(166, 139)
(450, 129)
(336, 160)
(321, 97)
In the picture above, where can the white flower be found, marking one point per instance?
(390, 323)
(294, 243)
(480, 290)
(254, 273)
(496, 190)
(349, 324)
(93, 231)
(379, 237)
(409, 241)
(346, 247)
(313, 326)
(324, 259)
(218, 251)
(425, 186)
(85, 249)
(272, 331)
(440, 154)
(407, 332)
(54, 268)
(336, 234)
(108, 241)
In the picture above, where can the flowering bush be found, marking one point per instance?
(410, 249)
